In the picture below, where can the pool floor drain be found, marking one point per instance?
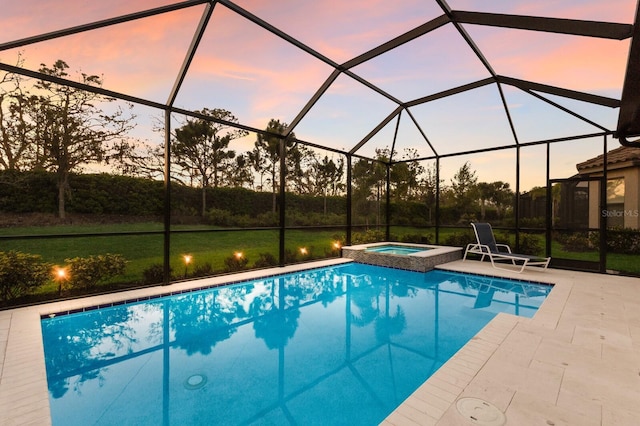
(195, 381)
(480, 412)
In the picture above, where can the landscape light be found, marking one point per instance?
(60, 274)
(187, 260)
(238, 255)
(303, 251)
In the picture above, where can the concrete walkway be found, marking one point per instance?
(576, 362)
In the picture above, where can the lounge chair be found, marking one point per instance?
(486, 246)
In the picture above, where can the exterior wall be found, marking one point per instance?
(594, 204)
(631, 178)
(632, 198)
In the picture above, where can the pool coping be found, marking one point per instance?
(506, 340)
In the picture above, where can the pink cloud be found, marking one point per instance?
(133, 57)
(579, 63)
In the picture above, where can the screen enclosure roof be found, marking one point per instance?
(428, 77)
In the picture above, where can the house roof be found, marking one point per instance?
(619, 156)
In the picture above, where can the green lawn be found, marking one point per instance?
(212, 248)
(145, 250)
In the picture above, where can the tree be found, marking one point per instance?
(328, 176)
(368, 178)
(258, 164)
(201, 148)
(16, 129)
(299, 162)
(240, 173)
(405, 176)
(71, 127)
(429, 186)
(138, 159)
(463, 186)
(497, 194)
(267, 147)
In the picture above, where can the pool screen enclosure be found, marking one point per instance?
(465, 44)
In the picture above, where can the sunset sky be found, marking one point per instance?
(258, 76)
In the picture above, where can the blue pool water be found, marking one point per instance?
(342, 345)
(395, 249)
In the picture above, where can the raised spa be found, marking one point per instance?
(413, 257)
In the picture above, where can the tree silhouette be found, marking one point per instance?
(71, 127)
(201, 148)
(267, 148)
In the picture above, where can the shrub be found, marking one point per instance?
(265, 260)
(219, 217)
(154, 274)
(620, 240)
(417, 238)
(290, 256)
(530, 244)
(235, 263)
(21, 273)
(202, 270)
(576, 242)
(369, 236)
(460, 239)
(87, 272)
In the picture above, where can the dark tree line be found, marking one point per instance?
(59, 129)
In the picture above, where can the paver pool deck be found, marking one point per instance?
(576, 362)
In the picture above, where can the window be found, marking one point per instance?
(615, 203)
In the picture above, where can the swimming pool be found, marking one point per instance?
(337, 345)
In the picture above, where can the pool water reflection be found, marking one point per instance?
(338, 345)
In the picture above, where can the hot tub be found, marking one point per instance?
(413, 257)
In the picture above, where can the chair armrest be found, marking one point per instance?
(483, 248)
(505, 246)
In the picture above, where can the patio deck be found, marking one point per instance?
(576, 362)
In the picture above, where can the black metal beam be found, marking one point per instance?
(166, 275)
(608, 30)
(395, 137)
(375, 130)
(467, 38)
(451, 92)
(275, 31)
(558, 91)
(195, 42)
(512, 146)
(400, 40)
(507, 113)
(349, 202)
(99, 24)
(316, 96)
(567, 110)
(629, 117)
(415, 122)
(282, 202)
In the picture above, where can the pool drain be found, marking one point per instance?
(195, 381)
(480, 412)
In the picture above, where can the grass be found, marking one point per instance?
(212, 248)
(144, 250)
